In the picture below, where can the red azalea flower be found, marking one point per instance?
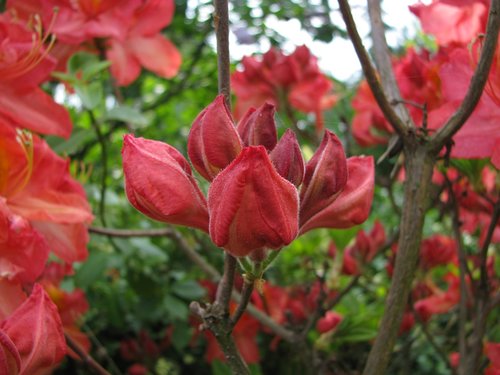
(41, 206)
(296, 76)
(24, 65)
(453, 22)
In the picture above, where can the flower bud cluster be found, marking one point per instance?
(262, 193)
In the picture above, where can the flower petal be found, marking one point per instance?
(158, 182)
(257, 127)
(36, 331)
(251, 206)
(213, 141)
(325, 177)
(353, 204)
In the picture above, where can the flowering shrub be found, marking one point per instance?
(286, 249)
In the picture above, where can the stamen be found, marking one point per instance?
(36, 54)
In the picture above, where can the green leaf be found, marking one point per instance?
(91, 94)
(85, 66)
(175, 308)
(126, 114)
(92, 269)
(188, 289)
(71, 145)
(181, 336)
(220, 368)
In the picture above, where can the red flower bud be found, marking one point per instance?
(352, 206)
(325, 177)
(213, 141)
(251, 206)
(257, 127)
(159, 183)
(287, 158)
(329, 322)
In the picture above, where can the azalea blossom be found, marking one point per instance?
(254, 202)
(277, 77)
(363, 250)
(42, 208)
(131, 32)
(453, 22)
(24, 65)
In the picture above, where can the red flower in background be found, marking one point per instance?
(363, 250)
(437, 250)
(253, 204)
(131, 30)
(41, 207)
(24, 65)
(453, 22)
(143, 45)
(277, 77)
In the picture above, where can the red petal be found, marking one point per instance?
(158, 182)
(325, 177)
(23, 250)
(125, 67)
(352, 206)
(156, 53)
(257, 127)
(35, 110)
(213, 141)
(287, 158)
(251, 206)
(36, 331)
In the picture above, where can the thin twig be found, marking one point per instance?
(382, 58)
(85, 357)
(430, 339)
(104, 160)
(167, 232)
(462, 263)
(124, 233)
(369, 71)
(477, 83)
(246, 294)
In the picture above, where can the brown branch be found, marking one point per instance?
(477, 83)
(482, 305)
(221, 22)
(216, 316)
(382, 58)
(462, 262)
(85, 357)
(111, 232)
(246, 294)
(419, 166)
(369, 71)
(167, 232)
